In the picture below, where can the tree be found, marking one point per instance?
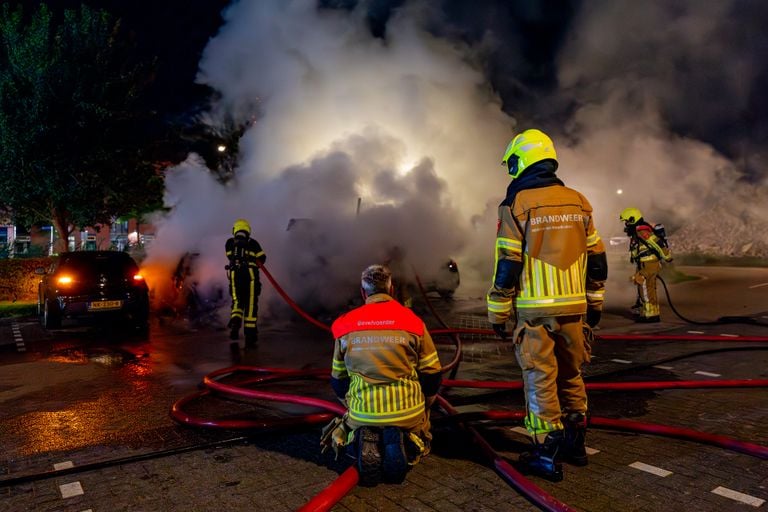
(73, 138)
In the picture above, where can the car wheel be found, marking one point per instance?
(51, 314)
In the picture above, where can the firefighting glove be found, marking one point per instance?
(500, 331)
(333, 436)
(593, 317)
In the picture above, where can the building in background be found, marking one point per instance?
(121, 235)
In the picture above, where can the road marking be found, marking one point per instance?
(20, 347)
(650, 469)
(738, 496)
(70, 490)
(660, 367)
(758, 285)
(695, 332)
(707, 374)
(730, 335)
(63, 465)
(622, 361)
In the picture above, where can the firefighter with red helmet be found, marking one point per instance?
(244, 254)
(386, 371)
(648, 248)
(549, 281)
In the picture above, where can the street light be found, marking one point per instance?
(222, 148)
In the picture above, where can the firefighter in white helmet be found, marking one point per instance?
(648, 248)
(549, 279)
(243, 253)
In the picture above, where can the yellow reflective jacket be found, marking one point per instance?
(383, 347)
(646, 246)
(550, 233)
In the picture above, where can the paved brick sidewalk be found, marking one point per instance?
(282, 471)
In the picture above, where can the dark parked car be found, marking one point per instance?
(93, 284)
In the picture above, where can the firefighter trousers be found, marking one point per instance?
(645, 279)
(551, 352)
(244, 289)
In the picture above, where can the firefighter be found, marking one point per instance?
(244, 253)
(386, 371)
(648, 248)
(548, 282)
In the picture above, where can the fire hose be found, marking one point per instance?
(720, 321)
(348, 479)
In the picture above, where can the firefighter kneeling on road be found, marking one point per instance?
(386, 371)
(243, 253)
(648, 248)
(549, 279)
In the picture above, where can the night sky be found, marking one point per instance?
(408, 105)
(711, 90)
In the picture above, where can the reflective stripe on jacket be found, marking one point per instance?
(551, 233)
(382, 347)
(243, 253)
(646, 246)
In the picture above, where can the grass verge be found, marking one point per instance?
(18, 308)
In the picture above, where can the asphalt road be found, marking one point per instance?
(91, 395)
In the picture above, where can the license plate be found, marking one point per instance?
(105, 304)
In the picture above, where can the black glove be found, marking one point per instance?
(500, 331)
(593, 317)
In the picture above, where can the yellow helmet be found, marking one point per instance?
(241, 225)
(526, 149)
(630, 215)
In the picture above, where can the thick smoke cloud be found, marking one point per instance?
(407, 127)
(661, 93)
(410, 128)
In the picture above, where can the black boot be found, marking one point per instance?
(234, 328)
(234, 350)
(369, 467)
(541, 460)
(251, 337)
(395, 463)
(573, 449)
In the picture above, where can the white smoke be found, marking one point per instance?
(635, 69)
(408, 127)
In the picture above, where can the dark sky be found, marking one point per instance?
(651, 104)
(714, 93)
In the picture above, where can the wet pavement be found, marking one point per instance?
(95, 405)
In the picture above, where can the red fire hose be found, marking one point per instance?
(332, 494)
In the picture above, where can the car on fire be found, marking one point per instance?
(312, 268)
(93, 285)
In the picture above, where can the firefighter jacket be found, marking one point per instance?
(550, 260)
(243, 253)
(384, 362)
(645, 246)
